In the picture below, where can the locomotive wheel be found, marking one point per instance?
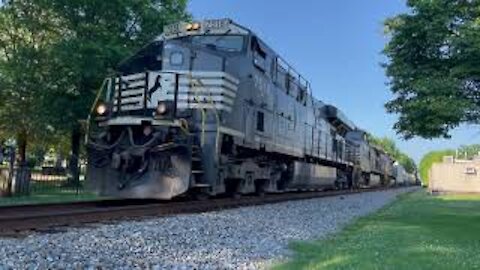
(356, 177)
(201, 196)
(232, 187)
(260, 188)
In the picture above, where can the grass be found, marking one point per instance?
(50, 192)
(50, 189)
(419, 231)
(42, 198)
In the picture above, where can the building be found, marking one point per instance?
(455, 176)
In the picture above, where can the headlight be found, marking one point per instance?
(195, 26)
(161, 108)
(192, 26)
(102, 109)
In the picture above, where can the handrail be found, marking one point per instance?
(217, 117)
(92, 109)
(292, 72)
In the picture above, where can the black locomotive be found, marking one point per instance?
(208, 108)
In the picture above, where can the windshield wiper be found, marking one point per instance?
(211, 46)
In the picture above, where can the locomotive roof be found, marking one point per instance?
(228, 26)
(222, 27)
(215, 27)
(338, 118)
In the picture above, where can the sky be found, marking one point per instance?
(337, 45)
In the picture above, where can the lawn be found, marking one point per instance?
(50, 192)
(53, 197)
(50, 189)
(418, 231)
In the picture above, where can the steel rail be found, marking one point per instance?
(18, 221)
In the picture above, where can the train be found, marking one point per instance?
(403, 178)
(208, 108)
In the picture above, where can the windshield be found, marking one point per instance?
(221, 43)
(148, 58)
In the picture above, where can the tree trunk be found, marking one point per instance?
(21, 173)
(75, 154)
(22, 148)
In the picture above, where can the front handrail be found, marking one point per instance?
(92, 109)
(211, 102)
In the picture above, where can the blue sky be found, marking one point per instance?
(337, 45)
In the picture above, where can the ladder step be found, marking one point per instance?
(199, 185)
(196, 159)
(197, 171)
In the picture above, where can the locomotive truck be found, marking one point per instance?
(209, 108)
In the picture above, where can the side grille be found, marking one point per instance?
(352, 153)
(130, 92)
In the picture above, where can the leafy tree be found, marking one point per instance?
(433, 57)
(469, 151)
(27, 32)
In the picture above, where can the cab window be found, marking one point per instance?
(148, 58)
(226, 43)
(259, 54)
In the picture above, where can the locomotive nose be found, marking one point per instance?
(159, 173)
(164, 175)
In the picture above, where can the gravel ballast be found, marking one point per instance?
(244, 238)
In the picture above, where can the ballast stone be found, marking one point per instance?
(245, 238)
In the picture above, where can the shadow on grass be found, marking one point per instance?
(419, 231)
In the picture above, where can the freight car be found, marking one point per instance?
(208, 108)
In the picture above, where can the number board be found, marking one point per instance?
(215, 24)
(173, 29)
(179, 29)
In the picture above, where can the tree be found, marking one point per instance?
(99, 35)
(26, 36)
(468, 151)
(433, 57)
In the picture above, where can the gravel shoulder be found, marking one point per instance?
(244, 238)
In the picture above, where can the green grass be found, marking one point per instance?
(51, 189)
(419, 231)
(49, 196)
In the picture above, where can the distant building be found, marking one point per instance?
(455, 176)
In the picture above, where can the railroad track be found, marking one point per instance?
(18, 221)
